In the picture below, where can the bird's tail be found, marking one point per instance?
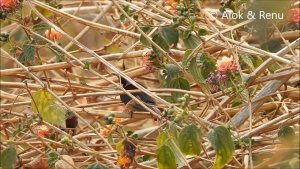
(154, 108)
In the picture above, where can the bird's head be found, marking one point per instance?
(123, 81)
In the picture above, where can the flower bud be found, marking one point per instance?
(52, 34)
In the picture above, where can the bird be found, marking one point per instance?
(71, 122)
(131, 105)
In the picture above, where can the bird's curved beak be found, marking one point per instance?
(116, 74)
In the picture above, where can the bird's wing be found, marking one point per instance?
(132, 105)
(145, 98)
(154, 108)
(151, 105)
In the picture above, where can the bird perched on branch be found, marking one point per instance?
(132, 105)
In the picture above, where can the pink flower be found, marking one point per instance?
(8, 4)
(294, 15)
(225, 64)
(149, 64)
(145, 59)
(52, 34)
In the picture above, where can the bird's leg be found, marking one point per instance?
(129, 108)
(131, 114)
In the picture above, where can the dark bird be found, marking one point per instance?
(132, 105)
(71, 122)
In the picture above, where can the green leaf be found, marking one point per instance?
(126, 8)
(4, 37)
(189, 140)
(187, 58)
(208, 64)
(46, 105)
(135, 17)
(122, 18)
(173, 130)
(143, 158)
(236, 102)
(52, 158)
(246, 141)
(40, 27)
(202, 32)
(146, 28)
(144, 41)
(196, 71)
(222, 9)
(161, 42)
(161, 138)
(191, 42)
(178, 83)
(239, 3)
(86, 65)
(220, 139)
(43, 11)
(8, 158)
(275, 66)
(55, 4)
(114, 48)
(186, 33)
(120, 147)
(164, 139)
(286, 134)
(247, 60)
(110, 139)
(172, 71)
(170, 34)
(256, 60)
(18, 129)
(96, 166)
(199, 65)
(243, 142)
(27, 56)
(165, 158)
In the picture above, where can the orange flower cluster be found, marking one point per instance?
(8, 4)
(105, 132)
(118, 120)
(124, 162)
(171, 6)
(126, 150)
(52, 34)
(226, 64)
(172, 3)
(294, 15)
(43, 130)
